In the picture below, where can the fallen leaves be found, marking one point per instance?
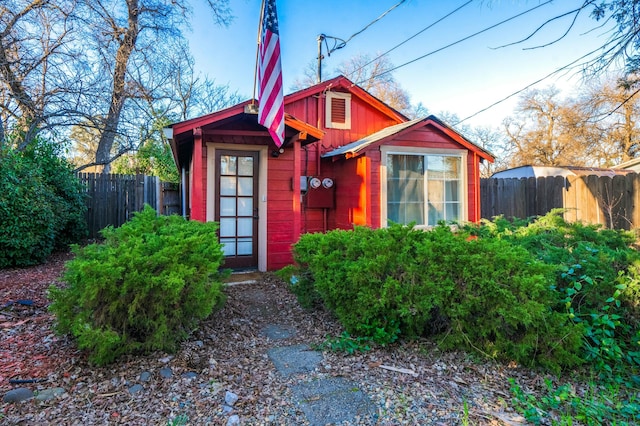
(409, 382)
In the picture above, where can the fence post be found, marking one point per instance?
(159, 196)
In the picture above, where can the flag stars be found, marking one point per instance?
(271, 20)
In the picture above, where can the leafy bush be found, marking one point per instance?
(345, 343)
(301, 284)
(485, 295)
(143, 289)
(600, 254)
(501, 306)
(560, 404)
(41, 204)
(597, 282)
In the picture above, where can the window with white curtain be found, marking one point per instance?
(424, 188)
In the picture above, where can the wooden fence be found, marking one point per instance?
(112, 199)
(613, 202)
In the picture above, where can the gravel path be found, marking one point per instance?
(224, 374)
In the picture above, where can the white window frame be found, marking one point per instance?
(347, 112)
(394, 150)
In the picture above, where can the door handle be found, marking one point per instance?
(255, 213)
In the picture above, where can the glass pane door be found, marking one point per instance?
(237, 208)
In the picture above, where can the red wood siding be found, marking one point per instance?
(365, 120)
(473, 194)
(353, 193)
(199, 179)
(376, 199)
(421, 138)
(280, 212)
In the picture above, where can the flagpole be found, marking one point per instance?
(255, 70)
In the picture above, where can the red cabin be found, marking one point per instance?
(348, 159)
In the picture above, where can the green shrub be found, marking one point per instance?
(601, 254)
(301, 284)
(597, 283)
(501, 306)
(484, 295)
(41, 204)
(357, 273)
(603, 403)
(143, 289)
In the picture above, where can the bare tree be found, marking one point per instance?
(94, 63)
(487, 137)
(372, 75)
(547, 131)
(614, 111)
(40, 82)
(132, 35)
(622, 45)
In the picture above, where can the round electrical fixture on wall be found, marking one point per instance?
(327, 182)
(315, 183)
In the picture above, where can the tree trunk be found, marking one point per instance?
(127, 40)
(18, 92)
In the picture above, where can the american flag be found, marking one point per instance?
(270, 96)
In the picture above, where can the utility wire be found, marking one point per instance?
(456, 42)
(343, 43)
(374, 21)
(411, 38)
(610, 113)
(563, 68)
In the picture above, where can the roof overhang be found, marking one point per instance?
(355, 148)
(307, 132)
(238, 120)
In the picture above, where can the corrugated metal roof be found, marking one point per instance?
(355, 147)
(545, 171)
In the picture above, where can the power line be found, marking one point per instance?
(343, 43)
(458, 41)
(374, 21)
(563, 68)
(610, 113)
(412, 37)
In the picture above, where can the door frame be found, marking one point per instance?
(212, 191)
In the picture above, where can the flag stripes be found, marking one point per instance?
(270, 95)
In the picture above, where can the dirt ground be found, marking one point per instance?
(423, 386)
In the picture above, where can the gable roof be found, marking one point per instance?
(354, 148)
(342, 83)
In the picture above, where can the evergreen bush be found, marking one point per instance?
(41, 204)
(143, 289)
(483, 295)
(502, 306)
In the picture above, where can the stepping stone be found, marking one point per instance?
(166, 373)
(135, 389)
(189, 375)
(332, 401)
(296, 359)
(17, 395)
(278, 332)
(49, 394)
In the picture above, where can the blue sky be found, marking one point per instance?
(462, 79)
